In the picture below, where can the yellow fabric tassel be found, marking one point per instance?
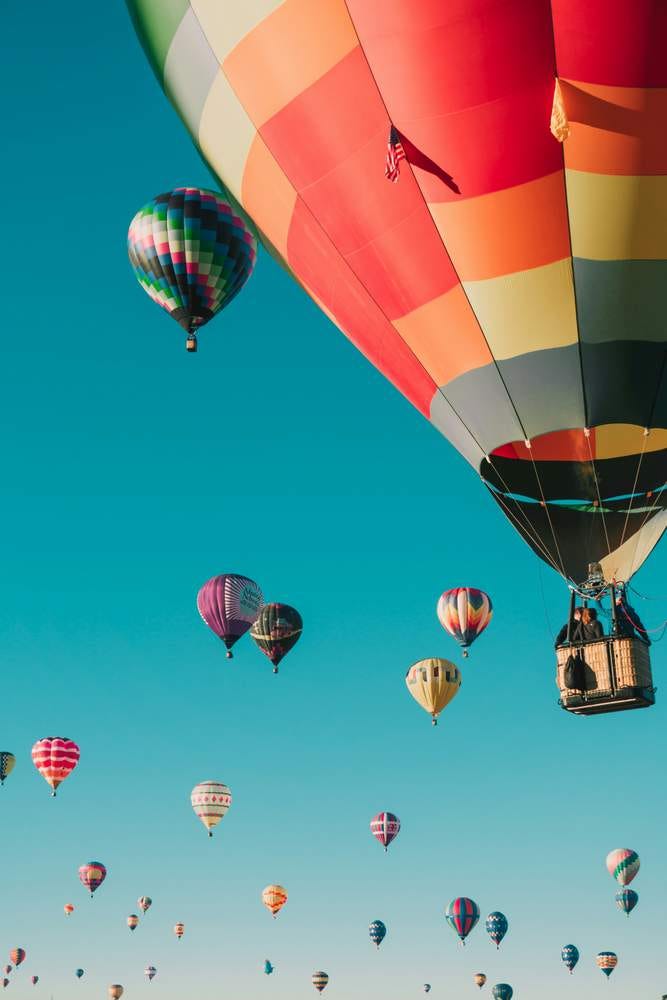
(560, 126)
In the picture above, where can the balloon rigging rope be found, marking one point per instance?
(539, 544)
(634, 487)
(546, 509)
(650, 511)
(597, 490)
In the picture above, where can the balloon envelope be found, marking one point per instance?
(17, 956)
(34, 980)
(606, 962)
(150, 972)
(479, 979)
(78, 973)
(210, 801)
(464, 612)
(268, 968)
(623, 865)
(496, 927)
(462, 914)
(626, 900)
(277, 629)
(144, 903)
(115, 992)
(320, 980)
(132, 921)
(229, 604)
(7, 762)
(377, 932)
(433, 683)
(570, 956)
(179, 930)
(92, 874)
(55, 757)
(385, 827)
(274, 898)
(68, 908)
(502, 991)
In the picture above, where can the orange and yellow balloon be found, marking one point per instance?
(68, 908)
(433, 683)
(115, 992)
(274, 898)
(479, 979)
(132, 921)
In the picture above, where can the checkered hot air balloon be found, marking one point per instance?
(92, 874)
(464, 612)
(274, 898)
(496, 927)
(229, 604)
(7, 762)
(377, 932)
(144, 903)
(623, 865)
(570, 956)
(433, 683)
(179, 930)
(385, 828)
(17, 956)
(479, 979)
(606, 961)
(278, 628)
(55, 757)
(191, 253)
(502, 991)
(210, 801)
(320, 980)
(462, 914)
(626, 900)
(150, 973)
(132, 921)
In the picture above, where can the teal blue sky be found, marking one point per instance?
(131, 473)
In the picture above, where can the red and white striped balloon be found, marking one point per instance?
(55, 757)
(385, 827)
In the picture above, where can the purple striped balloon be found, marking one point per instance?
(229, 604)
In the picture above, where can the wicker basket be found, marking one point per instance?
(598, 672)
(617, 676)
(632, 665)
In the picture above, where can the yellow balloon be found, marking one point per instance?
(433, 683)
(274, 898)
(115, 992)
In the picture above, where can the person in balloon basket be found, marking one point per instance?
(589, 628)
(628, 622)
(561, 638)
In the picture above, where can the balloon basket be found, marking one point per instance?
(616, 673)
(191, 344)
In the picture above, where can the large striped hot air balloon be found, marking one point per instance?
(433, 683)
(464, 612)
(277, 629)
(496, 927)
(179, 930)
(462, 914)
(320, 980)
(274, 898)
(229, 604)
(55, 757)
(192, 253)
(92, 874)
(210, 801)
(606, 961)
(377, 932)
(132, 921)
(570, 956)
(623, 865)
(144, 903)
(7, 762)
(17, 956)
(385, 827)
(626, 900)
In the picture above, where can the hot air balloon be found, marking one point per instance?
(7, 969)
(132, 921)
(115, 992)
(623, 865)
(150, 972)
(179, 930)
(427, 987)
(78, 973)
(17, 956)
(320, 980)
(144, 903)
(7, 762)
(5, 982)
(274, 898)
(34, 980)
(91, 875)
(229, 604)
(496, 927)
(277, 629)
(192, 253)
(462, 914)
(626, 900)
(502, 991)
(377, 932)
(68, 908)
(479, 979)
(606, 962)
(55, 757)
(385, 828)
(210, 801)
(550, 380)
(464, 612)
(268, 968)
(433, 683)
(570, 956)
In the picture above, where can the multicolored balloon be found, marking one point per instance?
(17, 956)
(150, 973)
(462, 914)
(133, 921)
(274, 898)
(277, 629)
(179, 930)
(626, 900)
(606, 961)
(623, 865)
(68, 908)
(34, 980)
(433, 683)
(570, 956)
(268, 968)
(320, 980)
(191, 253)
(229, 604)
(210, 801)
(55, 757)
(115, 991)
(385, 827)
(502, 991)
(479, 979)
(92, 874)
(377, 932)
(496, 927)
(464, 612)
(7, 762)
(144, 903)
(78, 973)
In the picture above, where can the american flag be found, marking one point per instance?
(395, 153)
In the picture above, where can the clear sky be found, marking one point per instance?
(131, 473)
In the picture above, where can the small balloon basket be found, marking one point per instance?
(617, 676)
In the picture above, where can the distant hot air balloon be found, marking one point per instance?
(268, 968)
(191, 253)
(78, 973)
(144, 903)
(132, 921)
(464, 612)
(502, 991)
(179, 930)
(7, 969)
(16, 956)
(115, 992)
(320, 980)
(427, 987)
(385, 828)
(462, 914)
(150, 972)
(606, 962)
(377, 932)
(623, 865)
(7, 762)
(570, 956)
(433, 683)
(68, 908)
(274, 898)
(92, 874)
(229, 604)
(277, 629)
(34, 980)
(55, 757)
(5, 982)
(626, 900)
(479, 979)
(210, 801)
(496, 927)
